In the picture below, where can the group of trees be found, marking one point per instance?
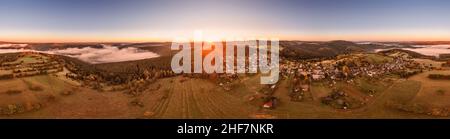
(439, 77)
(123, 77)
(9, 57)
(37, 68)
(87, 72)
(446, 64)
(406, 74)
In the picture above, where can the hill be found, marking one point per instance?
(307, 50)
(410, 53)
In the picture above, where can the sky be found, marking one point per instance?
(163, 20)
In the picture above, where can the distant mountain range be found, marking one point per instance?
(288, 49)
(308, 50)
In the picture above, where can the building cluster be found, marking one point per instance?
(345, 69)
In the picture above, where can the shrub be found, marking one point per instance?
(439, 77)
(440, 92)
(137, 102)
(13, 92)
(36, 88)
(66, 93)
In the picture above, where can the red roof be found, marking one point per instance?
(268, 104)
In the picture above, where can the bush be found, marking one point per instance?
(440, 92)
(6, 76)
(137, 102)
(66, 93)
(413, 108)
(36, 88)
(51, 98)
(439, 77)
(13, 92)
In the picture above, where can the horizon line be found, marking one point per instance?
(44, 42)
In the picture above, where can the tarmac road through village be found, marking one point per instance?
(226, 129)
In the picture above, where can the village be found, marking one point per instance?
(302, 74)
(344, 69)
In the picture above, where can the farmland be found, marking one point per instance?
(175, 100)
(180, 98)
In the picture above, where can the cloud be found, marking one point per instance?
(106, 54)
(431, 50)
(4, 51)
(7, 45)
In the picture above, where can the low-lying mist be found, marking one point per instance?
(106, 54)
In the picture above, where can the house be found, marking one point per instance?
(271, 103)
(305, 87)
(447, 64)
(317, 77)
(268, 105)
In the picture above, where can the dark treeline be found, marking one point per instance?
(439, 77)
(120, 72)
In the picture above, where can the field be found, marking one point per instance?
(375, 108)
(182, 97)
(175, 100)
(195, 98)
(32, 93)
(375, 58)
(433, 92)
(429, 62)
